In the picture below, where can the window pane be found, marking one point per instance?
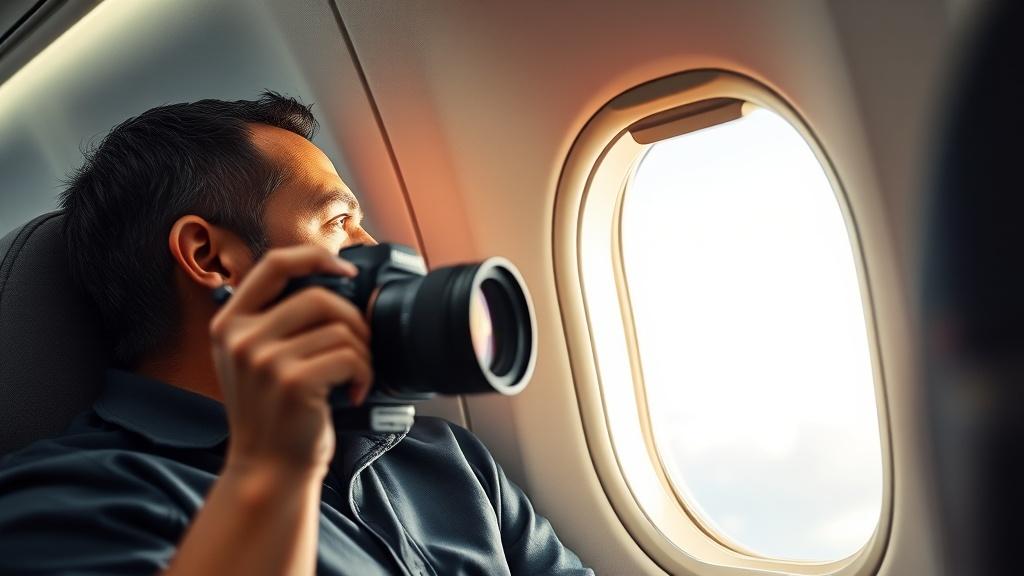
(752, 339)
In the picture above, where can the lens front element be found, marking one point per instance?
(481, 330)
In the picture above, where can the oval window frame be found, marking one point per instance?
(588, 202)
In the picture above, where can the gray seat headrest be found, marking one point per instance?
(52, 353)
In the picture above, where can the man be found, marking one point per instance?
(229, 463)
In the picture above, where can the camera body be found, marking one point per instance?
(460, 329)
(379, 265)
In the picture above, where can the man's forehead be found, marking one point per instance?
(305, 166)
(293, 153)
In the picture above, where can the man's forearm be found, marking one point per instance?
(254, 521)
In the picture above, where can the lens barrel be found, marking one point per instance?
(458, 330)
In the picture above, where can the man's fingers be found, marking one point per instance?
(332, 368)
(268, 277)
(336, 335)
(310, 307)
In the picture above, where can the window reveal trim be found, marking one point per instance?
(656, 110)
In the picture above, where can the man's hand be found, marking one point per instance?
(277, 362)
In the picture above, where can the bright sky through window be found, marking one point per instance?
(752, 339)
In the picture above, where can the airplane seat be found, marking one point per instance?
(52, 353)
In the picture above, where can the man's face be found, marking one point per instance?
(313, 206)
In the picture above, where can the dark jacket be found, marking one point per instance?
(115, 493)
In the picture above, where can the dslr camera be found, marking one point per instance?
(463, 329)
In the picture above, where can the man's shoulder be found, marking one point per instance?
(434, 427)
(85, 433)
(445, 447)
(87, 500)
(92, 463)
(441, 434)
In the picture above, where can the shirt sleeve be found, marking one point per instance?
(66, 516)
(531, 546)
(528, 539)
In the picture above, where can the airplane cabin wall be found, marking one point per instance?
(482, 102)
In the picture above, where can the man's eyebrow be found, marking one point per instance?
(332, 195)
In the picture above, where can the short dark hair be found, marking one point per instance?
(170, 161)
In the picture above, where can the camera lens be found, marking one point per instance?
(457, 330)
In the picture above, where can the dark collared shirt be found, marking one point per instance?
(115, 493)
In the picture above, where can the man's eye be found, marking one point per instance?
(339, 222)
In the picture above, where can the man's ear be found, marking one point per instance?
(207, 254)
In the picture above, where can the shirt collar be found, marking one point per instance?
(160, 412)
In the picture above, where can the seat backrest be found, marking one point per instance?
(52, 354)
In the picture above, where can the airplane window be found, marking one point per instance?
(752, 340)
